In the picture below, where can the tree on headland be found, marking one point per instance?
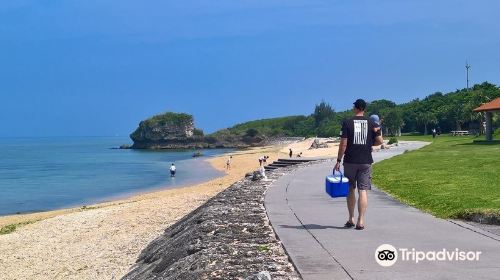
(198, 132)
(252, 132)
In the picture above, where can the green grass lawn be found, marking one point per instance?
(450, 178)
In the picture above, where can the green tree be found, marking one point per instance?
(376, 106)
(198, 132)
(328, 128)
(393, 120)
(323, 111)
(426, 118)
(252, 132)
(305, 128)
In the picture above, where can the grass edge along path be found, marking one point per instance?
(450, 178)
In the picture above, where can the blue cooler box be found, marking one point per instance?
(337, 185)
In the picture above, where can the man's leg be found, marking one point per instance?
(364, 184)
(362, 205)
(350, 173)
(351, 203)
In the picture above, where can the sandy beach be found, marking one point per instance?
(102, 241)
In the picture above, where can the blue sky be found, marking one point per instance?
(86, 68)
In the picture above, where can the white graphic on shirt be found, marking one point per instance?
(360, 132)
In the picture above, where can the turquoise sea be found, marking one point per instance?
(39, 174)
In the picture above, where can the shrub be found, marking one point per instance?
(12, 227)
(330, 128)
(393, 140)
(252, 132)
(169, 117)
(211, 140)
(8, 229)
(197, 132)
(496, 134)
(263, 248)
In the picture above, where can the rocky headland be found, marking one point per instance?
(177, 131)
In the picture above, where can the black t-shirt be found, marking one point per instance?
(360, 138)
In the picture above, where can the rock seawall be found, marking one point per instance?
(229, 237)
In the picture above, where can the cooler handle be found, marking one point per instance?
(341, 174)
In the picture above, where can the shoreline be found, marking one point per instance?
(53, 174)
(104, 240)
(35, 216)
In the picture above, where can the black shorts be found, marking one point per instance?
(359, 175)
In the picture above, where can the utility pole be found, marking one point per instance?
(467, 67)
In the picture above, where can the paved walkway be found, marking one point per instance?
(310, 225)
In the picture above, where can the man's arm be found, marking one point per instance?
(340, 155)
(378, 141)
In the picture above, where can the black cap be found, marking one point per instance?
(360, 104)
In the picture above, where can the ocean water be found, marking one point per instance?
(39, 174)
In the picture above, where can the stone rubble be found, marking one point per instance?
(229, 237)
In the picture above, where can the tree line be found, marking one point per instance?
(443, 111)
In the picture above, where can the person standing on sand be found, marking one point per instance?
(172, 170)
(359, 134)
(263, 160)
(228, 163)
(291, 153)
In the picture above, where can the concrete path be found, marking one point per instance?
(310, 225)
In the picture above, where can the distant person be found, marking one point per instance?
(228, 163)
(262, 172)
(263, 160)
(300, 154)
(357, 138)
(434, 132)
(290, 153)
(172, 170)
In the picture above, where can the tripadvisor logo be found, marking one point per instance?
(386, 255)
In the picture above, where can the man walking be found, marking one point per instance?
(359, 134)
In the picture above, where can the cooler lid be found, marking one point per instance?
(336, 179)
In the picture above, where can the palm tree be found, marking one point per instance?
(426, 118)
